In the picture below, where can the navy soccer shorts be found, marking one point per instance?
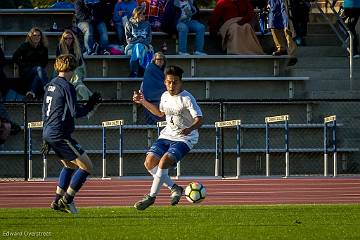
(176, 149)
(67, 149)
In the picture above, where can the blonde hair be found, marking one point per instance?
(65, 63)
(43, 40)
(137, 12)
(65, 49)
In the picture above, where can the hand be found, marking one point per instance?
(185, 131)
(138, 97)
(45, 148)
(93, 100)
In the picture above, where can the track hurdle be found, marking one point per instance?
(178, 165)
(105, 125)
(274, 119)
(218, 139)
(330, 122)
(34, 125)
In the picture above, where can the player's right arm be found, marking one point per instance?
(138, 97)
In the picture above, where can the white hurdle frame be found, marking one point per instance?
(274, 119)
(178, 165)
(34, 125)
(105, 125)
(330, 122)
(223, 124)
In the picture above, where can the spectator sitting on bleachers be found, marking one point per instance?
(181, 16)
(61, 4)
(32, 58)
(91, 15)
(155, 10)
(232, 19)
(153, 85)
(13, 4)
(122, 13)
(138, 38)
(279, 25)
(70, 44)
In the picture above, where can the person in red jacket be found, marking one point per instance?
(227, 9)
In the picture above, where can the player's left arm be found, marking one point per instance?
(196, 113)
(198, 121)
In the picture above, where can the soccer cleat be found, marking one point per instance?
(67, 207)
(176, 193)
(144, 203)
(55, 206)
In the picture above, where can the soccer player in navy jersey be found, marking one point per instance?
(59, 110)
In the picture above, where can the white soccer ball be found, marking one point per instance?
(195, 192)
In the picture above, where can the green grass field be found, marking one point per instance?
(186, 222)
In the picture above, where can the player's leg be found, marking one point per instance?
(74, 156)
(77, 181)
(151, 164)
(176, 152)
(63, 183)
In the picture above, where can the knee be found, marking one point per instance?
(200, 28)
(181, 27)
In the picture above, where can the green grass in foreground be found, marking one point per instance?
(186, 222)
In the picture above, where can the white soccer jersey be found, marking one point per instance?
(180, 111)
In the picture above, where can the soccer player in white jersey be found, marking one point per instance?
(183, 117)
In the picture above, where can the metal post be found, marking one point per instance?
(335, 148)
(287, 160)
(325, 151)
(121, 168)
(44, 167)
(267, 147)
(222, 139)
(26, 166)
(238, 146)
(30, 155)
(104, 153)
(217, 151)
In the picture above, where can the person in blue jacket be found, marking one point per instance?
(153, 85)
(352, 13)
(59, 110)
(279, 24)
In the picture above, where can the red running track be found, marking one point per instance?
(19, 194)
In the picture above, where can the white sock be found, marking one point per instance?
(168, 182)
(158, 181)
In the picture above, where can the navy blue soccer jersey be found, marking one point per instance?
(60, 108)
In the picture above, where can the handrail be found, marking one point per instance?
(348, 49)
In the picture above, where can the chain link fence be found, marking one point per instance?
(306, 140)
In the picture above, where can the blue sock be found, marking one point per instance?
(64, 181)
(76, 183)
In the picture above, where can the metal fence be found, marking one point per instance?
(305, 145)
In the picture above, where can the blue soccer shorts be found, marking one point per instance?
(176, 149)
(67, 149)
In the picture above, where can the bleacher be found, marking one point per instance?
(320, 73)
